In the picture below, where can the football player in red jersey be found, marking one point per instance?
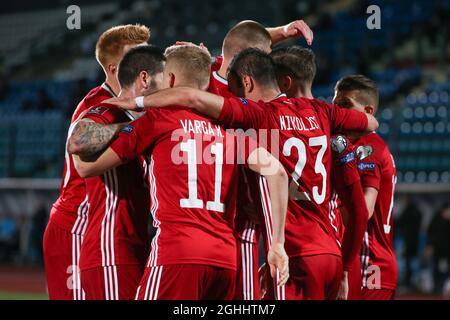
(296, 70)
(304, 127)
(194, 252)
(68, 217)
(378, 177)
(251, 34)
(116, 242)
(253, 200)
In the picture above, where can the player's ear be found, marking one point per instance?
(171, 80)
(144, 79)
(369, 109)
(285, 83)
(112, 68)
(248, 83)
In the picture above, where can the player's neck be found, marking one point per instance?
(303, 93)
(308, 94)
(223, 69)
(266, 94)
(113, 84)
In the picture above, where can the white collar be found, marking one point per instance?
(219, 78)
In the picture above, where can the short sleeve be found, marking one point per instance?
(243, 113)
(103, 114)
(136, 137)
(370, 173)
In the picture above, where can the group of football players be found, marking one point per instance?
(222, 154)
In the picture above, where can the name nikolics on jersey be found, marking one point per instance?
(201, 127)
(298, 124)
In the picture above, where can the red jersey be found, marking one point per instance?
(71, 207)
(117, 232)
(377, 170)
(247, 226)
(219, 85)
(303, 128)
(192, 188)
(216, 63)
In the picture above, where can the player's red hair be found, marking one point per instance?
(110, 45)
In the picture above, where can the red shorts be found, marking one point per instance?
(377, 294)
(314, 277)
(355, 280)
(111, 283)
(187, 282)
(247, 283)
(61, 255)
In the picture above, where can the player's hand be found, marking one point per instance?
(278, 262)
(298, 28)
(123, 103)
(263, 276)
(343, 287)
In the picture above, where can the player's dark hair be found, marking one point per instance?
(368, 90)
(296, 62)
(142, 58)
(256, 64)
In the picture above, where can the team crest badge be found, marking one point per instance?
(363, 152)
(338, 144)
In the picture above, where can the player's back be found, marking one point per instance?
(377, 169)
(193, 183)
(71, 205)
(304, 127)
(305, 153)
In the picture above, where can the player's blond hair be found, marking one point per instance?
(190, 63)
(246, 34)
(110, 45)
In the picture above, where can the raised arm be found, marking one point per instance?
(262, 162)
(89, 139)
(297, 28)
(204, 102)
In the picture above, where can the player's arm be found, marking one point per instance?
(204, 102)
(262, 162)
(343, 119)
(347, 183)
(370, 196)
(107, 160)
(88, 138)
(297, 28)
(234, 112)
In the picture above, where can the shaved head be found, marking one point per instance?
(246, 34)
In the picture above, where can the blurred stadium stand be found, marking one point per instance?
(45, 69)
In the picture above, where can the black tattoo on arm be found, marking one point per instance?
(90, 139)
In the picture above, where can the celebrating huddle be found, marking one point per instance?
(222, 153)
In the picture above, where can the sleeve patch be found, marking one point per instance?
(364, 152)
(365, 166)
(347, 158)
(244, 101)
(98, 110)
(128, 129)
